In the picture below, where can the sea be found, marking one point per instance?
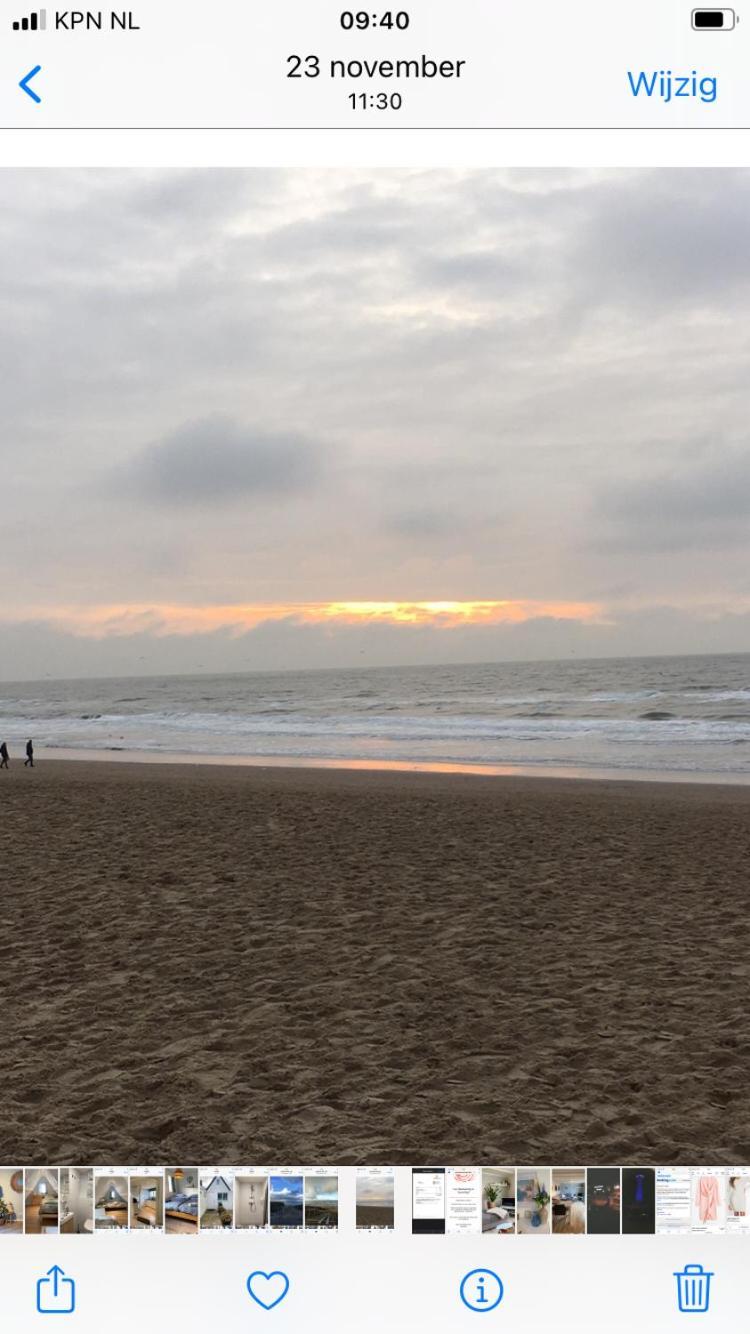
(686, 716)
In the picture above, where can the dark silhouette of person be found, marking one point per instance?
(4, 756)
(29, 754)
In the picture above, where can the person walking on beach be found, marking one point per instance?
(29, 761)
(4, 756)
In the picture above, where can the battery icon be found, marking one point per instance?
(714, 20)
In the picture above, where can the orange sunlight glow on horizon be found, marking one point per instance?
(100, 622)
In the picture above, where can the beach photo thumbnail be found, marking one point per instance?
(375, 1191)
(321, 1201)
(286, 1201)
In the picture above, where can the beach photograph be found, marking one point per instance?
(286, 1201)
(321, 1201)
(375, 1198)
(374, 678)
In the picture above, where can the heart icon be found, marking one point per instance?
(267, 1289)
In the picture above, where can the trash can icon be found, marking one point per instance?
(693, 1288)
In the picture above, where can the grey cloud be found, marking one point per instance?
(217, 461)
(703, 500)
(667, 238)
(422, 524)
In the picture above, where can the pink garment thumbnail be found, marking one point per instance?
(707, 1199)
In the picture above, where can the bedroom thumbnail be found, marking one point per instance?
(147, 1202)
(42, 1209)
(110, 1202)
(181, 1201)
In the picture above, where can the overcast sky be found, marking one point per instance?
(232, 399)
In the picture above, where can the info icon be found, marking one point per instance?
(481, 1290)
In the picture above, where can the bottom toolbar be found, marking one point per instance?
(373, 1283)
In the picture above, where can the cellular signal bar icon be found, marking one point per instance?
(36, 22)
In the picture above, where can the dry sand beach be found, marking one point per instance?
(244, 965)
